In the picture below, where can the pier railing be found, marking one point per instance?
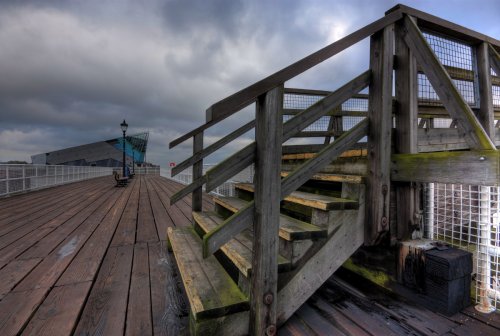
(18, 178)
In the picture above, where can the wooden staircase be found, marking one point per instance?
(248, 265)
(218, 287)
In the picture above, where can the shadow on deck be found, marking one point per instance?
(89, 258)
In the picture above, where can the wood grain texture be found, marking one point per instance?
(379, 135)
(485, 113)
(139, 304)
(264, 281)
(197, 194)
(465, 167)
(494, 60)
(470, 128)
(105, 310)
(59, 312)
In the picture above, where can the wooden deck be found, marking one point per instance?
(88, 258)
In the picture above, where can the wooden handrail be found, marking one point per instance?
(228, 106)
(444, 27)
(238, 222)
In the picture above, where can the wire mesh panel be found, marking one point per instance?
(459, 60)
(468, 217)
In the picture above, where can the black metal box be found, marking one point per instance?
(448, 279)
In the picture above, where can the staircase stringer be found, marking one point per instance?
(341, 244)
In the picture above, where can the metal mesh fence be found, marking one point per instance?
(458, 59)
(468, 217)
(20, 178)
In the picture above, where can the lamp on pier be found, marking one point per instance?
(124, 127)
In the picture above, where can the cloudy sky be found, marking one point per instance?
(71, 71)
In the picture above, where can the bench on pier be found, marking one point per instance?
(120, 181)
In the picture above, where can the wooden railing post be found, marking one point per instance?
(268, 135)
(197, 195)
(485, 114)
(379, 134)
(406, 131)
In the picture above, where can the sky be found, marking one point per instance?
(71, 71)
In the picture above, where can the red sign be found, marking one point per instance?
(172, 164)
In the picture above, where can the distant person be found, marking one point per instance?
(127, 171)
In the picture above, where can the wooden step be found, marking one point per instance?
(210, 290)
(343, 178)
(239, 249)
(290, 228)
(307, 156)
(316, 201)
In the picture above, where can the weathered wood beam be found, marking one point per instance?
(379, 135)
(406, 138)
(233, 225)
(198, 183)
(485, 113)
(445, 27)
(444, 139)
(247, 96)
(212, 148)
(197, 195)
(312, 166)
(214, 239)
(494, 60)
(264, 281)
(464, 167)
(451, 98)
(242, 159)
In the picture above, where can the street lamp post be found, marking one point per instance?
(124, 127)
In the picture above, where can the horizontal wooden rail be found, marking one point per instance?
(444, 27)
(242, 159)
(464, 167)
(494, 60)
(451, 98)
(212, 148)
(241, 220)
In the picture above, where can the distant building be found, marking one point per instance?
(107, 153)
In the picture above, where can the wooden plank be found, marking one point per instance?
(485, 113)
(247, 96)
(341, 178)
(307, 169)
(406, 140)
(210, 290)
(239, 249)
(146, 229)
(264, 280)
(197, 194)
(378, 180)
(466, 167)
(212, 148)
(125, 232)
(17, 307)
(242, 159)
(305, 280)
(494, 60)
(106, 308)
(167, 305)
(14, 272)
(317, 323)
(315, 134)
(85, 265)
(445, 27)
(139, 303)
(243, 98)
(198, 183)
(160, 214)
(470, 128)
(59, 312)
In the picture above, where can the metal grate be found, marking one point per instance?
(468, 217)
(458, 59)
(496, 95)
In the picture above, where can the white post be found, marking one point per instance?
(483, 257)
(430, 210)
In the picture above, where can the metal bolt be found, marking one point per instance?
(271, 330)
(384, 221)
(268, 299)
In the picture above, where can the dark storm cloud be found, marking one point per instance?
(71, 71)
